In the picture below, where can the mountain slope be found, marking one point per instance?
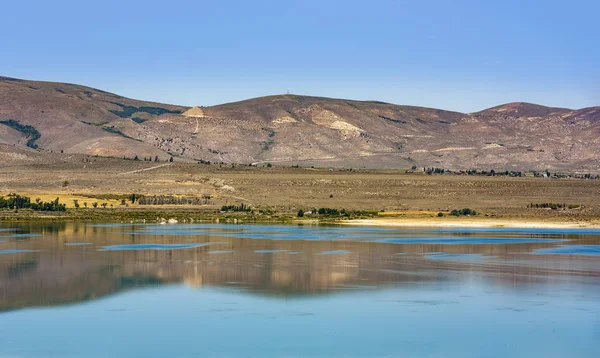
(299, 130)
(72, 118)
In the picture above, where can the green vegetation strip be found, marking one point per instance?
(114, 130)
(29, 131)
(128, 111)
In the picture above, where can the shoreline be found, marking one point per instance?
(470, 223)
(395, 222)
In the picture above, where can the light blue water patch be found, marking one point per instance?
(370, 234)
(218, 252)
(586, 250)
(536, 231)
(438, 256)
(269, 251)
(78, 243)
(16, 251)
(16, 236)
(469, 240)
(334, 252)
(156, 246)
(272, 232)
(437, 320)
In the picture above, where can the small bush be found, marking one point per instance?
(440, 214)
(328, 211)
(463, 212)
(300, 213)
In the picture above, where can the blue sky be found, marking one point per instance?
(460, 55)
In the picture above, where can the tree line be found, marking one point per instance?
(16, 202)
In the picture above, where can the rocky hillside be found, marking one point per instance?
(301, 130)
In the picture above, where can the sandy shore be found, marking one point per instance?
(471, 223)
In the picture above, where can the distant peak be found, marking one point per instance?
(524, 109)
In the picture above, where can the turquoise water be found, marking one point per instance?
(207, 290)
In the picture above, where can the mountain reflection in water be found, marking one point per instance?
(56, 264)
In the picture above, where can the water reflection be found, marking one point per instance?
(56, 264)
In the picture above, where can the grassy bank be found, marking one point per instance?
(552, 219)
(104, 189)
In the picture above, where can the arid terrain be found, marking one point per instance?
(280, 191)
(281, 154)
(298, 130)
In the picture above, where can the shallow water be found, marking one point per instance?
(207, 290)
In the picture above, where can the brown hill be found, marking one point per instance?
(301, 130)
(73, 118)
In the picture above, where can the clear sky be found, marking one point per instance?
(460, 55)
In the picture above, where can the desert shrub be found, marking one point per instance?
(236, 208)
(553, 206)
(170, 200)
(266, 211)
(440, 214)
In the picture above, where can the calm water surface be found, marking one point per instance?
(209, 290)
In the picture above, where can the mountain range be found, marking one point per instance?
(292, 129)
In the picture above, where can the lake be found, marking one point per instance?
(217, 290)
